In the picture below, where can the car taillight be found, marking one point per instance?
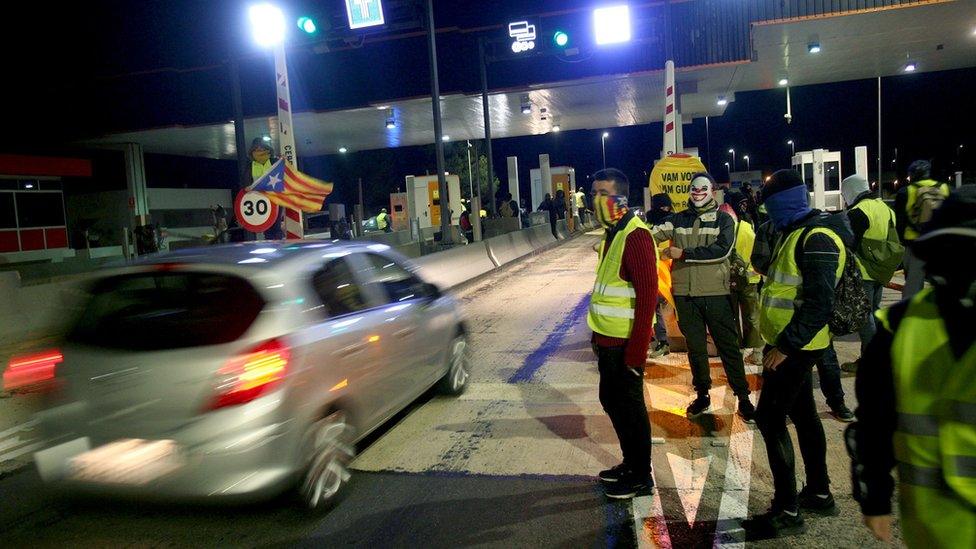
(31, 370)
(251, 375)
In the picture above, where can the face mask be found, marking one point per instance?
(701, 191)
(261, 155)
(609, 209)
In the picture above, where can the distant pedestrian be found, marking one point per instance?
(621, 315)
(560, 204)
(914, 205)
(548, 206)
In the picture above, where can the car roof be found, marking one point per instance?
(261, 255)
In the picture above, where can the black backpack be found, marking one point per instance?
(851, 303)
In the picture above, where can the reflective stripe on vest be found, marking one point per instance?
(935, 441)
(612, 303)
(781, 293)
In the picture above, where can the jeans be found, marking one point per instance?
(622, 398)
(788, 391)
(697, 316)
(874, 291)
(828, 369)
(914, 274)
(660, 329)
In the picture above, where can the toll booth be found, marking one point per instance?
(563, 178)
(424, 200)
(821, 171)
(399, 205)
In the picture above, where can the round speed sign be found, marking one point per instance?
(254, 211)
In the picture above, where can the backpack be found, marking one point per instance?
(880, 258)
(851, 303)
(927, 200)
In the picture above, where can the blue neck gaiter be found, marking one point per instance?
(786, 207)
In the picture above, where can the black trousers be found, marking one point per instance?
(697, 316)
(788, 391)
(622, 397)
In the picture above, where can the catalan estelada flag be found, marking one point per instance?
(290, 188)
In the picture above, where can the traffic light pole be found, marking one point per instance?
(447, 237)
(294, 229)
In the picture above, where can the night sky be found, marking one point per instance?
(89, 68)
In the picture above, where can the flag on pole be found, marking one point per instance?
(290, 188)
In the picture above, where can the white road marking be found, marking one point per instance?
(734, 505)
(26, 426)
(655, 534)
(689, 481)
(21, 451)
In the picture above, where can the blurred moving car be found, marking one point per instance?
(240, 371)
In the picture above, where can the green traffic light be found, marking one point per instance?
(560, 38)
(307, 24)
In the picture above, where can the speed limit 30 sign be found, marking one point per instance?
(254, 211)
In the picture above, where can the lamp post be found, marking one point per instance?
(603, 143)
(729, 170)
(732, 152)
(746, 158)
(792, 149)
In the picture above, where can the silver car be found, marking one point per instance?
(242, 371)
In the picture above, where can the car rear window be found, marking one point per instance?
(154, 311)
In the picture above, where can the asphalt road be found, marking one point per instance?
(511, 463)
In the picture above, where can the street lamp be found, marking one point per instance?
(746, 158)
(729, 170)
(267, 24)
(603, 143)
(732, 152)
(792, 148)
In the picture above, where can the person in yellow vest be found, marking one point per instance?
(873, 224)
(621, 315)
(914, 206)
(796, 302)
(262, 158)
(745, 279)
(383, 221)
(916, 392)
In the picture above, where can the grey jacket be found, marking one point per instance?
(707, 237)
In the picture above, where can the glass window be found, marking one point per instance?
(808, 175)
(9, 184)
(397, 283)
(40, 209)
(832, 176)
(153, 311)
(8, 218)
(336, 287)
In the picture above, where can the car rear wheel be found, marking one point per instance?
(330, 451)
(458, 372)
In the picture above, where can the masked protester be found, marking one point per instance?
(621, 315)
(702, 240)
(916, 392)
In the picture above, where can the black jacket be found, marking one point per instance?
(817, 259)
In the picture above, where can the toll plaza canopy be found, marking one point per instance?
(720, 48)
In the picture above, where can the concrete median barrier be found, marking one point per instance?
(452, 267)
(509, 247)
(541, 236)
(562, 229)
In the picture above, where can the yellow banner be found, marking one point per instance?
(672, 175)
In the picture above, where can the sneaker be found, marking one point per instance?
(849, 367)
(613, 474)
(661, 348)
(774, 523)
(821, 504)
(842, 413)
(747, 411)
(700, 405)
(755, 357)
(628, 487)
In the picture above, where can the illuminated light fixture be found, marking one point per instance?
(813, 47)
(267, 139)
(911, 66)
(783, 81)
(28, 185)
(722, 101)
(526, 104)
(374, 338)
(445, 138)
(382, 107)
(606, 135)
(390, 123)
(343, 150)
(341, 385)
(612, 24)
(267, 24)
(560, 38)
(307, 24)
(556, 128)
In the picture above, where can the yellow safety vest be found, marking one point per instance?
(258, 169)
(910, 232)
(880, 219)
(745, 240)
(781, 292)
(613, 301)
(381, 221)
(935, 442)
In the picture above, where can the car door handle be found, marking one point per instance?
(405, 333)
(351, 350)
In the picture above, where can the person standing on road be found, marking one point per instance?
(579, 198)
(795, 307)
(661, 209)
(383, 221)
(702, 239)
(621, 315)
(873, 224)
(559, 202)
(549, 206)
(914, 205)
(916, 392)
(744, 278)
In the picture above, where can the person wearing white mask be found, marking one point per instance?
(702, 239)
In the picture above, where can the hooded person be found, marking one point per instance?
(661, 208)
(915, 388)
(745, 279)
(795, 307)
(262, 158)
(702, 241)
(914, 206)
